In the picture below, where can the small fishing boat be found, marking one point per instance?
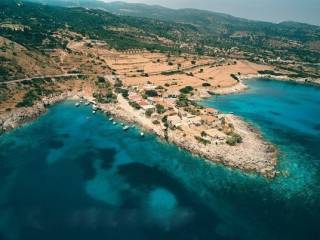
(114, 123)
(77, 104)
(125, 128)
(142, 134)
(87, 103)
(111, 119)
(93, 112)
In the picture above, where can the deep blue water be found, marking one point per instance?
(74, 175)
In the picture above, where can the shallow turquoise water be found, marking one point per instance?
(74, 175)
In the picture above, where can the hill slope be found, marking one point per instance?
(28, 31)
(289, 40)
(216, 23)
(33, 24)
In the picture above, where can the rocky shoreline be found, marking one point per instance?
(315, 82)
(252, 155)
(19, 116)
(241, 86)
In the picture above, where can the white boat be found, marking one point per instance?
(93, 112)
(114, 123)
(111, 119)
(77, 104)
(125, 128)
(87, 103)
(142, 134)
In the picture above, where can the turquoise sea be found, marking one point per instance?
(74, 175)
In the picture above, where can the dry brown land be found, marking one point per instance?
(206, 70)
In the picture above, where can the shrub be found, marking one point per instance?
(204, 134)
(124, 92)
(202, 140)
(105, 98)
(234, 77)
(28, 99)
(182, 101)
(101, 79)
(233, 139)
(186, 89)
(160, 109)
(134, 105)
(156, 122)
(165, 121)
(118, 83)
(168, 73)
(159, 88)
(151, 93)
(149, 112)
(3, 71)
(269, 72)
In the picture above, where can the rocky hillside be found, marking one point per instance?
(290, 40)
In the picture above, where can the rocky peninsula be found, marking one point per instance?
(217, 137)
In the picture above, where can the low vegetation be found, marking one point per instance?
(173, 72)
(124, 92)
(186, 90)
(160, 109)
(234, 77)
(202, 140)
(149, 112)
(269, 72)
(233, 139)
(135, 105)
(33, 95)
(107, 97)
(151, 93)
